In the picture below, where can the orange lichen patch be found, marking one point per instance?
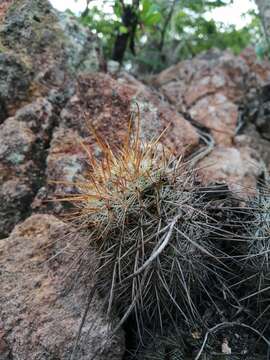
(5, 4)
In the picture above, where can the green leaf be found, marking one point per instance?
(123, 29)
(152, 19)
(117, 9)
(146, 4)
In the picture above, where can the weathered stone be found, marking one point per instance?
(219, 115)
(239, 168)
(100, 102)
(15, 198)
(81, 46)
(189, 81)
(5, 353)
(24, 136)
(106, 104)
(17, 141)
(39, 321)
(40, 117)
(252, 139)
(259, 70)
(40, 50)
(15, 79)
(23, 140)
(156, 115)
(66, 156)
(33, 27)
(66, 163)
(3, 8)
(211, 86)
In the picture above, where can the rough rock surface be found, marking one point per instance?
(219, 115)
(50, 94)
(238, 167)
(41, 49)
(210, 87)
(65, 163)
(23, 142)
(41, 52)
(15, 79)
(106, 104)
(39, 321)
(209, 90)
(189, 81)
(156, 115)
(3, 7)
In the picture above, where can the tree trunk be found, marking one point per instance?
(264, 10)
(130, 21)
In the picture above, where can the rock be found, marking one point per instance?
(3, 8)
(52, 47)
(46, 37)
(5, 353)
(15, 198)
(106, 104)
(15, 79)
(218, 114)
(189, 81)
(17, 142)
(65, 163)
(259, 69)
(113, 67)
(81, 46)
(252, 139)
(40, 117)
(101, 102)
(239, 168)
(41, 51)
(156, 115)
(40, 319)
(23, 142)
(210, 88)
(66, 156)
(18, 173)
(256, 110)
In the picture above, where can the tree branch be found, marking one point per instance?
(85, 12)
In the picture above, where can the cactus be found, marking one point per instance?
(169, 347)
(259, 234)
(146, 215)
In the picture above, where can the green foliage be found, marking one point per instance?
(171, 30)
(105, 25)
(150, 14)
